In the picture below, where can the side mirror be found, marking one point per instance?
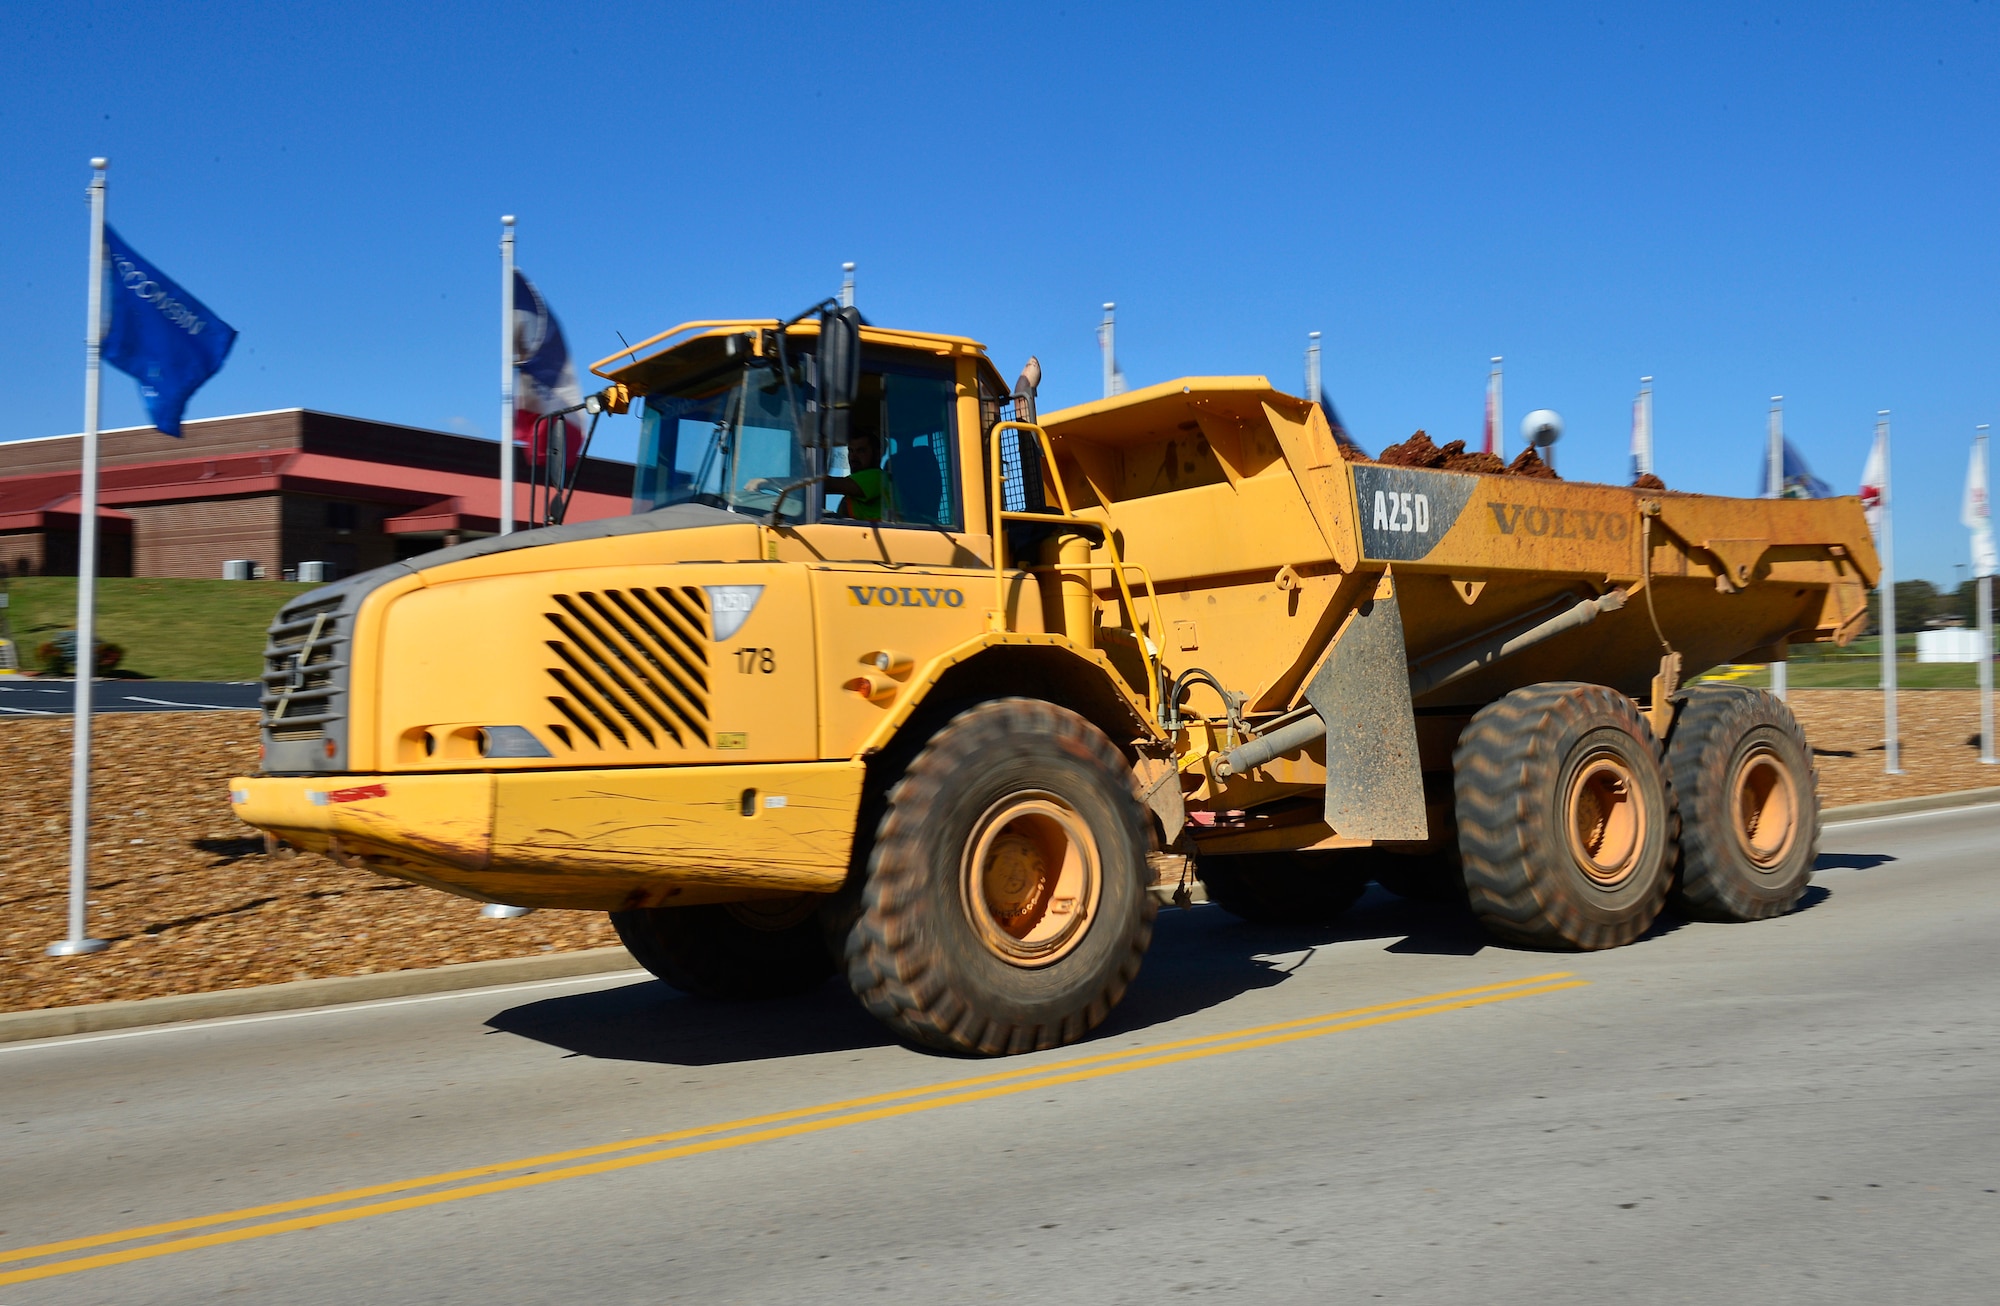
(839, 371)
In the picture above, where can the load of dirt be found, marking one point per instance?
(1419, 451)
(1648, 481)
(1529, 463)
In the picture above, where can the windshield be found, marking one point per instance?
(731, 444)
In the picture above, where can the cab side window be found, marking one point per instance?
(900, 466)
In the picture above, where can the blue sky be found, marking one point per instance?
(1738, 200)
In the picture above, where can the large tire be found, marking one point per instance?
(1749, 802)
(1566, 823)
(1283, 888)
(1005, 907)
(736, 951)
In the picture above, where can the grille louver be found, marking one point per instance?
(302, 662)
(631, 668)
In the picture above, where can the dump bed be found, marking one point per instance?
(1260, 538)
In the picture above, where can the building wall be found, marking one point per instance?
(196, 536)
(218, 436)
(22, 553)
(345, 532)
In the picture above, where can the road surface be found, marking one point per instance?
(1804, 1110)
(44, 696)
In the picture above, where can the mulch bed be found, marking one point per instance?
(185, 892)
(191, 902)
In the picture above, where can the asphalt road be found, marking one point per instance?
(44, 696)
(1804, 1110)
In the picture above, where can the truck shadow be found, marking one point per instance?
(1199, 959)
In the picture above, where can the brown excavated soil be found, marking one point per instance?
(191, 902)
(1420, 451)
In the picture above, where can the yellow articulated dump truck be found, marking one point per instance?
(886, 675)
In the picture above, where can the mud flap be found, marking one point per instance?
(1374, 782)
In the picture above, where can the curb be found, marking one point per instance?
(299, 995)
(1897, 806)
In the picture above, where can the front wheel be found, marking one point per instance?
(1005, 908)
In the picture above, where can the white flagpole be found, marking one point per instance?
(1312, 367)
(85, 660)
(847, 285)
(1642, 450)
(507, 374)
(1775, 488)
(1106, 343)
(1892, 745)
(1986, 752)
(1499, 415)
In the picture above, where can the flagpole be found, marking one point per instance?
(1495, 417)
(507, 374)
(84, 660)
(1775, 487)
(1892, 744)
(1986, 753)
(1105, 331)
(1312, 367)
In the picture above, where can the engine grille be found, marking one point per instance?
(631, 668)
(305, 671)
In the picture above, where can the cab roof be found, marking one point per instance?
(694, 348)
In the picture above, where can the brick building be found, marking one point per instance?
(278, 489)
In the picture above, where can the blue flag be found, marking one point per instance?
(1800, 483)
(159, 334)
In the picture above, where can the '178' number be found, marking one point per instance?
(751, 661)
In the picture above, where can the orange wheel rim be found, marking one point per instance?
(1605, 819)
(1765, 803)
(1031, 878)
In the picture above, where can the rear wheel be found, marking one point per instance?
(1283, 888)
(733, 951)
(1749, 802)
(1006, 905)
(1565, 819)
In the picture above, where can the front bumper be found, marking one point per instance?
(598, 840)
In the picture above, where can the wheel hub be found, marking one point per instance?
(1030, 878)
(1766, 807)
(1607, 821)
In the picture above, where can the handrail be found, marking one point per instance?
(1117, 565)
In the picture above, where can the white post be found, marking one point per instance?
(1644, 451)
(1499, 411)
(847, 285)
(1105, 343)
(1891, 744)
(507, 374)
(1312, 367)
(1986, 753)
(78, 942)
(1775, 488)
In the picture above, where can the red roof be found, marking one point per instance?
(27, 501)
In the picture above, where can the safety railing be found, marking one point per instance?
(1117, 566)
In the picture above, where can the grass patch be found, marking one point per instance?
(1857, 673)
(169, 629)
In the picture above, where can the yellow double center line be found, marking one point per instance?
(455, 1185)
